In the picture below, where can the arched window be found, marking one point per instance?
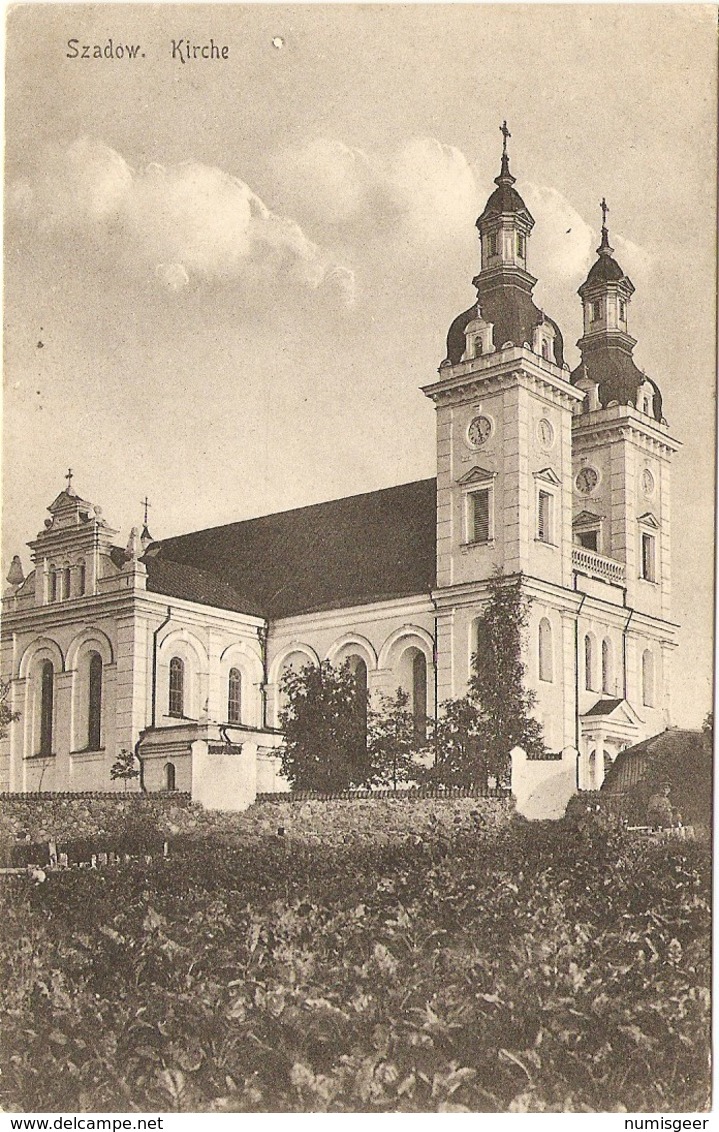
(176, 703)
(648, 678)
(54, 594)
(47, 692)
(359, 669)
(81, 578)
(588, 663)
(234, 696)
(66, 582)
(607, 673)
(170, 776)
(94, 702)
(419, 694)
(545, 650)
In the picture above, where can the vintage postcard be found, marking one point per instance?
(356, 658)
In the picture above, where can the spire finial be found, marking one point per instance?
(505, 177)
(604, 245)
(505, 134)
(145, 537)
(68, 477)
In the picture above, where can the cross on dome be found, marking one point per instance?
(605, 209)
(505, 134)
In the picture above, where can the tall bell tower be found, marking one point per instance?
(504, 462)
(622, 452)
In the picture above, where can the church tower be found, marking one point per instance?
(622, 454)
(504, 462)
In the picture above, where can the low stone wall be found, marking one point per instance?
(46, 816)
(379, 820)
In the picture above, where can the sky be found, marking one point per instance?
(226, 279)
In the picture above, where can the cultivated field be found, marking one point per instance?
(374, 956)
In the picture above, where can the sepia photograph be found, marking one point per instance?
(358, 558)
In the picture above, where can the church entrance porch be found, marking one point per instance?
(606, 729)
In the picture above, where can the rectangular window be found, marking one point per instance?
(648, 558)
(492, 244)
(480, 515)
(589, 540)
(596, 311)
(622, 310)
(544, 517)
(521, 245)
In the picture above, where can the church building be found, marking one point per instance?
(557, 478)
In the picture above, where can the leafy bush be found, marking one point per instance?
(531, 967)
(325, 728)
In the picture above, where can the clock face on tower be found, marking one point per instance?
(480, 429)
(586, 481)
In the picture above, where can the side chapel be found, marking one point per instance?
(558, 478)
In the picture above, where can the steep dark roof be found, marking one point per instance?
(514, 314)
(177, 579)
(331, 555)
(603, 707)
(617, 375)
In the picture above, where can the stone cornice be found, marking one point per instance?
(517, 365)
(119, 605)
(337, 616)
(618, 421)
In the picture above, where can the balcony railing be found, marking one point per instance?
(589, 562)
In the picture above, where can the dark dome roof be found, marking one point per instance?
(605, 270)
(617, 375)
(514, 315)
(505, 197)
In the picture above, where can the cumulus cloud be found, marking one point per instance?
(561, 240)
(425, 191)
(565, 244)
(176, 223)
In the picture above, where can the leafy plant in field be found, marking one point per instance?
(543, 967)
(324, 725)
(394, 741)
